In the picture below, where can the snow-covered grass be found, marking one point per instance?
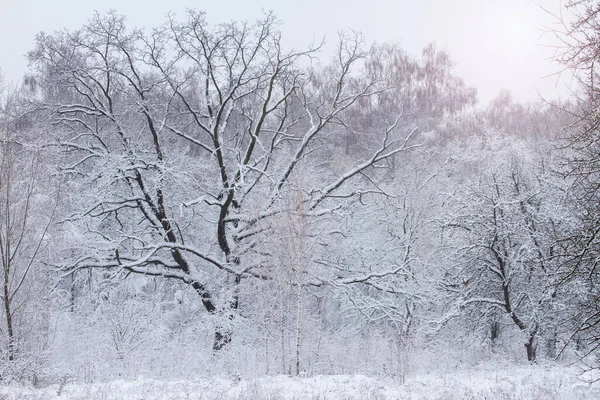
(532, 382)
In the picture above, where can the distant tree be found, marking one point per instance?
(425, 87)
(505, 232)
(26, 212)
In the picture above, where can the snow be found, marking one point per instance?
(522, 382)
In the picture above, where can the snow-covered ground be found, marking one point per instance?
(477, 383)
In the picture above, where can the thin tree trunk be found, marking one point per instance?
(9, 321)
(551, 344)
(298, 326)
(282, 328)
(72, 292)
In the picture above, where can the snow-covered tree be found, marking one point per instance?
(183, 142)
(504, 233)
(579, 273)
(27, 206)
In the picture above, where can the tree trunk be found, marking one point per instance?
(551, 345)
(72, 292)
(531, 347)
(298, 325)
(223, 334)
(494, 332)
(222, 338)
(9, 321)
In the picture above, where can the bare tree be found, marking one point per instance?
(579, 28)
(26, 212)
(505, 271)
(189, 137)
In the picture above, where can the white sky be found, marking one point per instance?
(496, 44)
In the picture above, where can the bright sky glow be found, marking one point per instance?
(496, 44)
(510, 31)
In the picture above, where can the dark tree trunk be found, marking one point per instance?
(9, 321)
(531, 347)
(223, 334)
(494, 332)
(222, 339)
(551, 345)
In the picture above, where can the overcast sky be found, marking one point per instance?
(496, 44)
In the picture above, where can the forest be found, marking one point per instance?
(196, 199)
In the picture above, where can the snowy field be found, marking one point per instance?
(482, 383)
